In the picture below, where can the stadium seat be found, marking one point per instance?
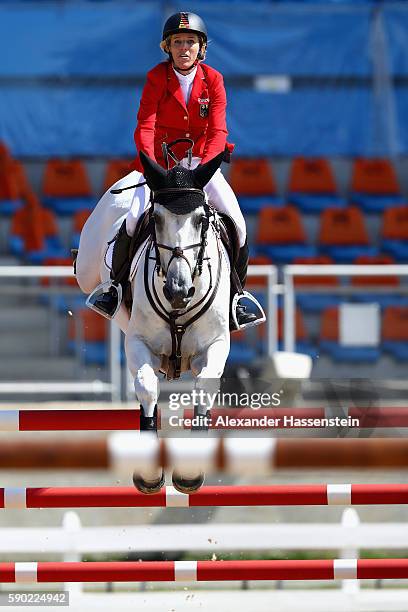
(329, 341)
(315, 302)
(343, 235)
(303, 344)
(395, 331)
(115, 170)
(66, 187)
(281, 236)
(34, 233)
(312, 187)
(241, 352)
(384, 299)
(10, 194)
(374, 185)
(395, 233)
(259, 260)
(253, 182)
(78, 223)
(88, 334)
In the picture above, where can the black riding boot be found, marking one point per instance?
(107, 302)
(243, 317)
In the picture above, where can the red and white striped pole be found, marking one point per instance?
(198, 571)
(275, 495)
(69, 420)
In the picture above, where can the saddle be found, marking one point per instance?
(229, 237)
(144, 229)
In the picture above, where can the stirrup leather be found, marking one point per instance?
(260, 313)
(103, 292)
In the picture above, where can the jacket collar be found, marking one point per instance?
(175, 88)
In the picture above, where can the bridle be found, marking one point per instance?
(177, 252)
(177, 330)
(196, 311)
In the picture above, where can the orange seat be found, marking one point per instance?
(8, 180)
(300, 329)
(259, 260)
(33, 224)
(312, 176)
(375, 177)
(342, 227)
(115, 170)
(252, 177)
(392, 281)
(329, 280)
(329, 326)
(280, 226)
(395, 223)
(65, 179)
(80, 217)
(395, 324)
(93, 326)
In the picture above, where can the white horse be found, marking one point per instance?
(180, 281)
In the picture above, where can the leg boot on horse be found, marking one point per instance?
(188, 483)
(240, 317)
(107, 297)
(148, 425)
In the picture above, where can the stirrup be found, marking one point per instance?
(95, 300)
(260, 313)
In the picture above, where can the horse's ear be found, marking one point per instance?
(204, 172)
(153, 172)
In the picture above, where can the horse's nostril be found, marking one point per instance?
(191, 292)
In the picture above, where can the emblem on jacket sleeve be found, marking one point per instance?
(204, 105)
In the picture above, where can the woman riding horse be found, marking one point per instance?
(182, 98)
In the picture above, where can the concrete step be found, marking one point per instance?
(24, 318)
(17, 343)
(39, 368)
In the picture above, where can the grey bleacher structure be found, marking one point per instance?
(28, 349)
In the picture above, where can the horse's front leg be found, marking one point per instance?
(208, 367)
(143, 366)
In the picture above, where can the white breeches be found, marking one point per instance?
(220, 195)
(112, 209)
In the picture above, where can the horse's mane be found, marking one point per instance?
(181, 201)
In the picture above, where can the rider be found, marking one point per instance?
(182, 98)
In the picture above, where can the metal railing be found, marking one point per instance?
(289, 290)
(112, 387)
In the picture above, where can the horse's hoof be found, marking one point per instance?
(148, 486)
(187, 485)
(148, 423)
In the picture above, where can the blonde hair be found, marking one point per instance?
(165, 45)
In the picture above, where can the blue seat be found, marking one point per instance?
(350, 354)
(253, 204)
(376, 203)
(9, 207)
(69, 206)
(316, 203)
(399, 350)
(347, 254)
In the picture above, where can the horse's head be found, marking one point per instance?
(180, 215)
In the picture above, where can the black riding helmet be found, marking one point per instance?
(184, 22)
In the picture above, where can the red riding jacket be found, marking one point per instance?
(163, 115)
